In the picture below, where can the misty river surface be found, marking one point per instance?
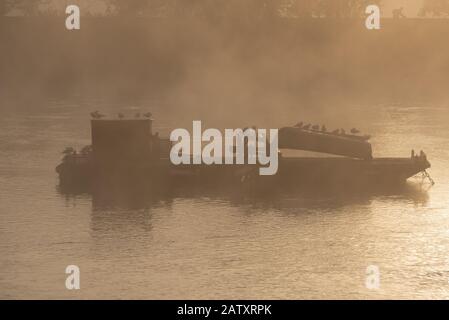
(219, 245)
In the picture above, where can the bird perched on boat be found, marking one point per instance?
(299, 125)
(69, 151)
(366, 137)
(96, 115)
(307, 126)
(148, 115)
(323, 128)
(316, 127)
(121, 116)
(336, 131)
(354, 131)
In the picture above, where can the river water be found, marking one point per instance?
(218, 245)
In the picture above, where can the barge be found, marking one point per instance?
(127, 151)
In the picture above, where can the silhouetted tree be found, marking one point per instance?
(434, 7)
(29, 8)
(343, 8)
(245, 9)
(129, 7)
(204, 8)
(255, 9)
(180, 8)
(304, 8)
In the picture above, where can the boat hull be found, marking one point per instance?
(339, 172)
(346, 171)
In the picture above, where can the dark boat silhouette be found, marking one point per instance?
(126, 151)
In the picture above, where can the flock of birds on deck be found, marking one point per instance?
(97, 115)
(354, 133)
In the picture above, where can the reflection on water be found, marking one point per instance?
(207, 242)
(235, 195)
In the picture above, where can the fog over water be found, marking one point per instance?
(219, 244)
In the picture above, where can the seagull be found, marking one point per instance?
(307, 126)
(121, 116)
(148, 115)
(316, 127)
(68, 150)
(96, 115)
(354, 131)
(299, 125)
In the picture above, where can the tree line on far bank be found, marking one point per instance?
(251, 9)
(198, 8)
